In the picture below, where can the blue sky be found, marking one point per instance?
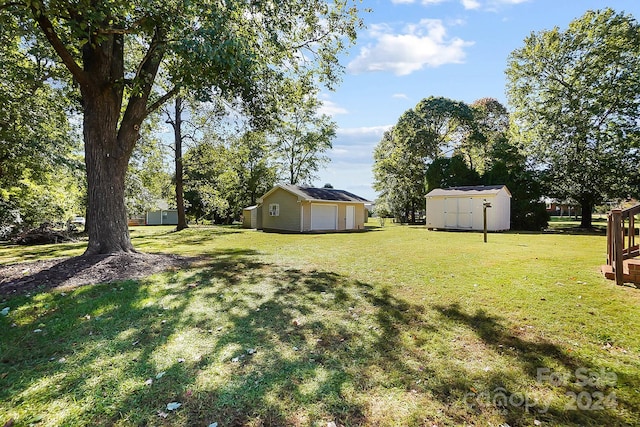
(413, 49)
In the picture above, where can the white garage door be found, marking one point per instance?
(324, 217)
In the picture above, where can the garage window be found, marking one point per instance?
(274, 209)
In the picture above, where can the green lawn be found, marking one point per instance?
(398, 326)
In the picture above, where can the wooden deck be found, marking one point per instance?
(630, 271)
(622, 249)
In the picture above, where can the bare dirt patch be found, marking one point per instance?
(73, 272)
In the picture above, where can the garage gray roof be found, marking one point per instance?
(324, 194)
(471, 190)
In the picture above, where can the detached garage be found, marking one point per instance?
(296, 209)
(461, 208)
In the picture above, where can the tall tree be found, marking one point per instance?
(224, 176)
(399, 176)
(40, 169)
(302, 135)
(114, 50)
(491, 121)
(576, 100)
(435, 127)
(450, 172)
(175, 120)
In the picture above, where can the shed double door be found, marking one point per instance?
(458, 212)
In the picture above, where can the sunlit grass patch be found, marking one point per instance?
(394, 327)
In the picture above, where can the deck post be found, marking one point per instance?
(618, 243)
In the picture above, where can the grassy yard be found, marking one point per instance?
(398, 326)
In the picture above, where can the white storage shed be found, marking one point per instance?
(460, 208)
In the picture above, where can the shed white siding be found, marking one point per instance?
(461, 208)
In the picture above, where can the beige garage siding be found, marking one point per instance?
(342, 215)
(289, 211)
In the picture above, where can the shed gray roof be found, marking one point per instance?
(471, 190)
(320, 194)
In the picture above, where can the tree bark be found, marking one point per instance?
(109, 138)
(106, 152)
(586, 206)
(177, 133)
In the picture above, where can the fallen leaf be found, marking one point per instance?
(173, 406)
(537, 422)
(37, 331)
(149, 381)
(162, 414)
(180, 360)
(235, 359)
(251, 351)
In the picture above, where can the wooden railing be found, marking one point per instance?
(621, 239)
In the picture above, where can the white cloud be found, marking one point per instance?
(362, 134)
(471, 4)
(419, 45)
(399, 96)
(402, 1)
(330, 108)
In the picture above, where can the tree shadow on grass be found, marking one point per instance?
(241, 342)
(588, 389)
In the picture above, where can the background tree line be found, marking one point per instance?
(86, 83)
(444, 143)
(573, 133)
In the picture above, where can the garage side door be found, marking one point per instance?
(324, 217)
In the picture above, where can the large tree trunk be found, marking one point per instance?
(106, 160)
(587, 207)
(108, 144)
(177, 131)
(109, 133)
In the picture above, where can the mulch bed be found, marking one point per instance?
(69, 273)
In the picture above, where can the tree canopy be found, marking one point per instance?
(114, 52)
(576, 100)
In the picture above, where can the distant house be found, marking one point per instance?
(561, 208)
(162, 215)
(461, 208)
(296, 209)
